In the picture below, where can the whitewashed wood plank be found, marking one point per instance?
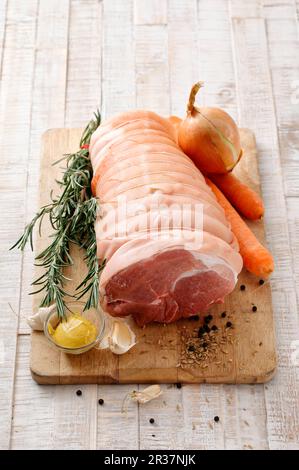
(244, 417)
(215, 69)
(257, 112)
(214, 33)
(182, 52)
(3, 5)
(293, 220)
(117, 430)
(84, 62)
(33, 406)
(152, 78)
(75, 416)
(117, 418)
(14, 182)
(167, 431)
(15, 112)
(248, 9)
(150, 12)
(18, 60)
(201, 404)
(283, 42)
(278, 8)
(152, 92)
(48, 110)
(118, 80)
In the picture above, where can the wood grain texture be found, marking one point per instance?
(246, 419)
(220, 90)
(20, 27)
(283, 39)
(150, 12)
(250, 358)
(48, 110)
(256, 107)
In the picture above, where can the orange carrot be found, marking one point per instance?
(257, 259)
(244, 199)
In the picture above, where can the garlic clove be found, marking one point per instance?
(37, 321)
(119, 336)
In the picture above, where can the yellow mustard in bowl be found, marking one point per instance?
(74, 332)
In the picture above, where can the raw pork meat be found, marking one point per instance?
(168, 248)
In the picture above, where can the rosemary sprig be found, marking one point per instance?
(72, 215)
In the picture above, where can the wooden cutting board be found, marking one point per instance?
(243, 353)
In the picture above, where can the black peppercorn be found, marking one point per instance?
(79, 393)
(214, 328)
(254, 308)
(242, 287)
(191, 348)
(208, 318)
(228, 324)
(194, 318)
(152, 420)
(223, 314)
(261, 282)
(207, 328)
(178, 385)
(101, 401)
(216, 419)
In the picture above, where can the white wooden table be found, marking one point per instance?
(59, 61)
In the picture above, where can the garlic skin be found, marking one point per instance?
(147, 394)
(119, 336)
(37, 321)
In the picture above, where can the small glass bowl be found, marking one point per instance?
(94, 315)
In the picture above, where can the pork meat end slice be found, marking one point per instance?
(167, 286)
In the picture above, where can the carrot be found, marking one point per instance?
(257, 259)
(244, 199)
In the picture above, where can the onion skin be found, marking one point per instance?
(210, 137)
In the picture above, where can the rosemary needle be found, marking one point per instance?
(72, 216)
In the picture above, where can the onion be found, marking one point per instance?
(210, 137)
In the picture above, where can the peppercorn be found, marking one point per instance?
(191, 348)
(101, 401)
(178, 385)
(216, 419)
(152, 420)
(223, 314)
(228, 324)
(79, 393)
(208, 318)
(242, 287)
(207, 328)
(194, 318)
(261, 282)
(254, 308)
(201, 332)
(214, 328)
